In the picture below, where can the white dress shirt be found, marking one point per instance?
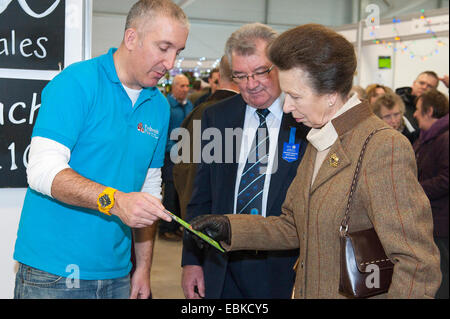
(251, 124)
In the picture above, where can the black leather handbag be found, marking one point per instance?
(366, 271)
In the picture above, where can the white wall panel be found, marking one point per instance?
(404, 68)
(407, 68)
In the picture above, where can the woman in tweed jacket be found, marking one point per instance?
(316, 67)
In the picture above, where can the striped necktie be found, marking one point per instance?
(251, 187)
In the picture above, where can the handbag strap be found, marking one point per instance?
(343, 229)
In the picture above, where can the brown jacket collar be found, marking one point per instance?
(350, 119)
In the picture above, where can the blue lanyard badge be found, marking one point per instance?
(290, 150)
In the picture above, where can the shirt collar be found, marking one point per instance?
(225, 89)
(107, 61)
(324, 137)
(276, 109)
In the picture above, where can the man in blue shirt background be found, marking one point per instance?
(180, 107)
(94, 166)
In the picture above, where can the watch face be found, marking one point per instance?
(104, 200)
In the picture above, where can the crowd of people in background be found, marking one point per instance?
(398, 108)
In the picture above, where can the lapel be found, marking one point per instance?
(307, 171)
(337, 156)
(344, 125)
(234, 118)
(278, 179)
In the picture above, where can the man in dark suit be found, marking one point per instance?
(262, 138)
(184, 171)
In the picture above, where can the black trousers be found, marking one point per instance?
(250, 276)
(171, 203)
(170, 197)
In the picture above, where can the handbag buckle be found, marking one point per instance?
(343, 230)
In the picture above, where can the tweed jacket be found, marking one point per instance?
(388, 197)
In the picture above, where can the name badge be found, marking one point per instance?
(291, 150)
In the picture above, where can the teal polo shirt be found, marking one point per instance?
(86, 108)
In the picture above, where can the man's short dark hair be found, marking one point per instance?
(215, 70)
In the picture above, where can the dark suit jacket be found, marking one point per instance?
(213, 193)
(410, 105)
(184, 172)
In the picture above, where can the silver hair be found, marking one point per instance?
(243, 40)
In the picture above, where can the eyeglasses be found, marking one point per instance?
(257, 76)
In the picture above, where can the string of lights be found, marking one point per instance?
(409, 49)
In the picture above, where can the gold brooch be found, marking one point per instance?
(334, 160)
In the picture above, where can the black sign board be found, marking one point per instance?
(32, 34)
(19, 106)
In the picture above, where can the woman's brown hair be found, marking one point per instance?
(327, 57)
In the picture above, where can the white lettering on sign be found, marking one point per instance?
(12, 149)
(25, 7)
(6, 49)
(12, 118)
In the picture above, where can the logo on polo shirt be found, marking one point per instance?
(147, 129)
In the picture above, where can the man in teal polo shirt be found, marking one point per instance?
(94, 166)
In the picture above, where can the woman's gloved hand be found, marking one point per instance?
(215, 226)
